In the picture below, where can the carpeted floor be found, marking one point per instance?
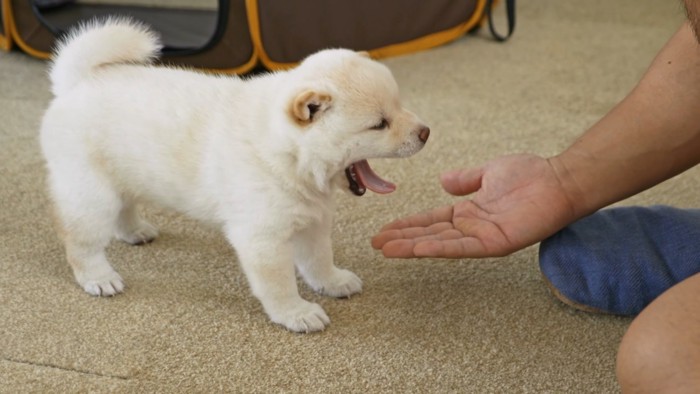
(188, 323)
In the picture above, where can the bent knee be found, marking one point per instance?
(661, 350)
(654, 365)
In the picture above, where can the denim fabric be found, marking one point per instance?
(620, 259)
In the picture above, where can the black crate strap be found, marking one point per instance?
(510, 14)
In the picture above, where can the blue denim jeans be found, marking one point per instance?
(618, 260)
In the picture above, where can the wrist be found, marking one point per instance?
(570, 171)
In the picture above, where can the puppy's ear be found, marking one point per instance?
(308, 105)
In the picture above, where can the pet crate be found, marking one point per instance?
(235, 36)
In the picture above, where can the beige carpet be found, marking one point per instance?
(188, 322)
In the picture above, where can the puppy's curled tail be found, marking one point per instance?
(97, 43)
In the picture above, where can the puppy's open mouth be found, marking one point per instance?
(361, 177)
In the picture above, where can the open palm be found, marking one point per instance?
(518, 201)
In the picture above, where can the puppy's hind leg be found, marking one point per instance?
(132, 228)
(87, 211)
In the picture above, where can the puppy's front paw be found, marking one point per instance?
(107, 284)
(342, 283)
(303, 317)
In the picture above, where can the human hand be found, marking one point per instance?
(518, 201)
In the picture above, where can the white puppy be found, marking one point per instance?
(260, 158)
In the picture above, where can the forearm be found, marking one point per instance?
(652, 135)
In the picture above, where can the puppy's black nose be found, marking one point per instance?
(423, 134)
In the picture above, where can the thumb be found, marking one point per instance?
(462, 182)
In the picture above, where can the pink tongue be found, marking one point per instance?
(370, 180)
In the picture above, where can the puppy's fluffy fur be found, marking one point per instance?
(259, 158)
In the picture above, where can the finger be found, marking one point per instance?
(465, 247)
(447, 234)
(385, 236)
(405, 247)
(457, 248)
(423, 219)
(462, 182)
(381, 239)
(399, 248)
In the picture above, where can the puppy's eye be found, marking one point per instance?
(381, 125)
